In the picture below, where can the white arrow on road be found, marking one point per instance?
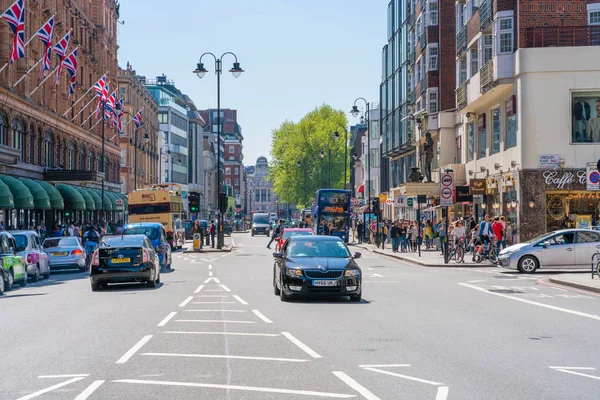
(571, 370)
(212, 278)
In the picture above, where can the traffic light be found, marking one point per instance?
(194, 201)
(376, 205)
(222, 202)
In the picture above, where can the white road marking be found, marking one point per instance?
(568, 371)
(214, 310)
(49, 389)
(184, 303)
(186, 258)
(476, 280)
(232, 242)
(384, 365)
(581, 368)
(214, 290)
(134, 349)
(356, 386)
(262, 316)
(410, 378)
(301, 345)
(535, 303)
(210, 266)
(296, 360)
(89, 390)
(216, 320)
(212, 295)
(224, 333)
(214, 302)
(243, 388)
(65, 376)
(199, 289)
(210, 273)
(442, 393)
(212, 278)
(238, 298)
(167, 319)
(225, 288)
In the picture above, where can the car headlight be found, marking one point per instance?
(293, 273)
(352, 272)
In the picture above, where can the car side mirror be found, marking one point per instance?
(545, 244)
(278, 255)
(356, 255)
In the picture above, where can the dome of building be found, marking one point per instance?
(262, 161)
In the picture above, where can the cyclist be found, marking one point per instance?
(91, 238)
(485, 233)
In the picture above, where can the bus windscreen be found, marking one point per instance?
(136, 209)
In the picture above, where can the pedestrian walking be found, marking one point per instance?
(212, 230)
(395, 235)
(325, 228)
(360, 229)
(442, 235)
(276, 232)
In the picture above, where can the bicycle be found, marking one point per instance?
(490, 253)
(457, 250)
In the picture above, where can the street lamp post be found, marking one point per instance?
(355, 113)
(236, 71)
(135, 171)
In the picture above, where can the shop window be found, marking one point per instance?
(471, 148)
(588, 237)
(495, 130)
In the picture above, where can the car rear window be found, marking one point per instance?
(61, 242)
(151, 232)
(288, 234)
(21, 241)
(122, 241)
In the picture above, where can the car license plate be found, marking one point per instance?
(121, 260)
(325, 283)
(59, 254)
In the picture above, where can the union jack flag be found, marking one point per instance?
(15, 17)
(100, 86)
(98, 108)
(109, 107)
(46, 33)
(61, 50)
(71, 66)
(137, 119)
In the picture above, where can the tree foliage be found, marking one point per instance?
(298, 169)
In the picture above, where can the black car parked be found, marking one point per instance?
(316, 265)
(124, 258)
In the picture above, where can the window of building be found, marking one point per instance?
(474, 60)
(122, 90)
(461, 71)
(496, 130)
(471, 133)
(228, 181)
(232, 149)
(269, 195)
(236, 181)
(432, 57)
(511, 123)
(374, 131)
(506, 35)
(3, 130)
(163, 117)
(433, 12)
(71, 156)
(374, 161)
(432, 101)
(236, 171)
(123, 157)
(460, 16)
(257, 195)
(482, 136)
(593, 11)
(488, 48)
(215, 128)
(227, 171)
(458, 158)
(18, 136)
(263, 195)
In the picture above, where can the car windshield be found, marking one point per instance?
(151, 232)
(289, 234)
(318, 248)
(541, 237)
(21, 241)
(61, 242)
(261, 220)
(122, 241)
(188, 225)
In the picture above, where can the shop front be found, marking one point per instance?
(556, 199)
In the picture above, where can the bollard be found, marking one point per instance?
(196, 242)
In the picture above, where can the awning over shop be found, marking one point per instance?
(90, 204)
(74, 201)
(97, 199)
(361, 189)
(21, 195)
(108, 202)
(41, 200)
(56, 199)
(6, 197)
(116, 196)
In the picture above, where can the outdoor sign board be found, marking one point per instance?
(477, 186)
(548, 161)
(447, 189)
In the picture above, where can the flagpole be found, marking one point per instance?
(81, 98)
(88, 118)
(125, 126)
(83, 108)
(97, 122)
(28, 71)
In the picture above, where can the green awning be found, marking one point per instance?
(21, 195)
(97, 199)
(74, 201)
(41, 200)
(6, 197)
(116, 197)
(108, 203)
(90, 204)
(56, 199)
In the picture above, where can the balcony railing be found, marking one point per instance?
(562, 36)
(461, 40)
(486, 76)
(461, 96)
(424, 83)
(485, 14)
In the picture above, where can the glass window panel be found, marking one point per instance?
(471, 148)
(496, 131)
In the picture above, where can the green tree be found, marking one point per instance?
(298, 169)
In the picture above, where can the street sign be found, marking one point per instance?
(593, 177)
(119, 202)
(382, 197)
(409, 202)
(389, 201)
(447, 189)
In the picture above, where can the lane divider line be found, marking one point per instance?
(167, 319)
(89, 390)
(225, 333)
(214, 302)
(384, 365)
(442, 393)
(238, 298)
(366, 393)
(212, 278)
(216, 320)
(134, 349)
(262, 316)
(199, 289)
(68, 376)
(225, 288)
(301, 345)
(210, 266)
(296, 360)
(210, 273)
(410, 378)
(49, 389)
(184, 303)
(214, 310)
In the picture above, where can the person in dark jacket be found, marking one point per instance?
(325, 228)
(360, 231)
(395, 236)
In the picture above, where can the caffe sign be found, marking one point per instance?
(563, 180)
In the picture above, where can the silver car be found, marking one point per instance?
(563, 249)
(65, 253)
(29, 246)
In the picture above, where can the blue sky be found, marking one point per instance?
(296, 54)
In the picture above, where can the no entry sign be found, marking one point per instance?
(447, 189)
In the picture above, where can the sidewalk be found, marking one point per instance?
(579, 281)
(431, 258)
(227, 246)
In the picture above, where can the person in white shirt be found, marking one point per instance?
(71, 230)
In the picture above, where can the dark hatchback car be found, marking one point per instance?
(316, 265)
(158, 237)
(124, 258)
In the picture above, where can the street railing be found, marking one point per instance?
(562, 36)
